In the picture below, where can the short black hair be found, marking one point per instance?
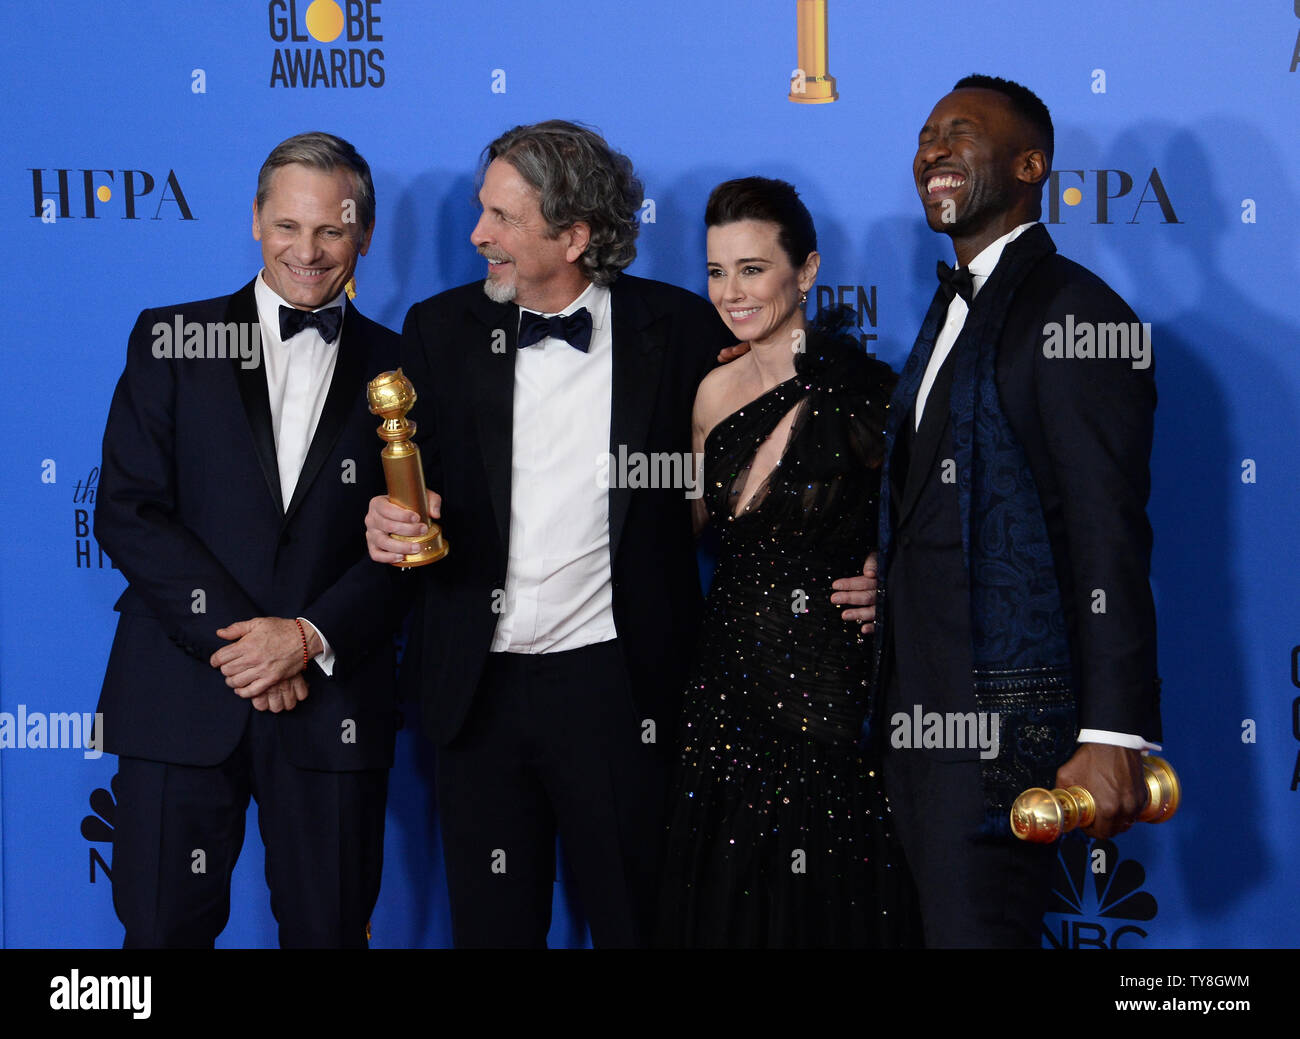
(774, 201)
(1028, 105)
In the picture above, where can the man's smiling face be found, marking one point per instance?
(528, 263)
(309, 249)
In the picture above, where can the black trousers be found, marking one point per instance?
(974, 891)
(552, 744)
(180, 829)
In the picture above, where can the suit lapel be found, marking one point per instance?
(255, 398)
(639, 346)
(925, 440)
(900, 439)
(492, 379)
(348, 384)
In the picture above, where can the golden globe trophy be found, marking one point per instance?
(391, 396)
(1041, 816)
(811, 84)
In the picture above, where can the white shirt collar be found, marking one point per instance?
(594, 297)
(984, 263)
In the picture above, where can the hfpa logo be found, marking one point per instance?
(65, 194)
(1108, 186)
(1096, 898)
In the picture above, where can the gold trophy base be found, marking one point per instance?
(1164, 792)
(428, 547)
(817, 90)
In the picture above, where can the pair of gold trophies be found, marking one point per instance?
(1038, 815)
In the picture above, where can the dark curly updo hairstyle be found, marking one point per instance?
(763, 198)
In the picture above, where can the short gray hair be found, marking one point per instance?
(579, 178)
(327, 153)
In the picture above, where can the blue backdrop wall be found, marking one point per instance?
(132, 139)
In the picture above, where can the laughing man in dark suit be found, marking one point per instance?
(1015, 546)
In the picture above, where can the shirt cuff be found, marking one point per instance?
(325, 658)
(1115, 739)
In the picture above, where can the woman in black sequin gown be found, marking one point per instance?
(777, 827)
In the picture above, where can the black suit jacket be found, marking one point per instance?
(458, 348)
(190, 511)
(1086, 428)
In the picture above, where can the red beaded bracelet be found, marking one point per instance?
(302, 635)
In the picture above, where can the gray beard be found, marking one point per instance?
(498, 293)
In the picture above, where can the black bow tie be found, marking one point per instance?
(574, 329)
(326, 322)
(959, 282)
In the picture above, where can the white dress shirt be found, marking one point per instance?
(980, 268)
(559, 591)
(298, 377)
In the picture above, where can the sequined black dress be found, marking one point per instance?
(777, 824)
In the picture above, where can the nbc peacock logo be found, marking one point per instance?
(304, 32)
(98, 827)
(1097, 898)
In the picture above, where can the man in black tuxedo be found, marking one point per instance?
(550, 646)
(254, 652)
(1015, 544)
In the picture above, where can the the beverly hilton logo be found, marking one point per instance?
(1097, 898)
(810, 82)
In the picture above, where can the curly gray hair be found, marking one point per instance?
(579, 177)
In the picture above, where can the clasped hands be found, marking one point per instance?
(263, 661)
